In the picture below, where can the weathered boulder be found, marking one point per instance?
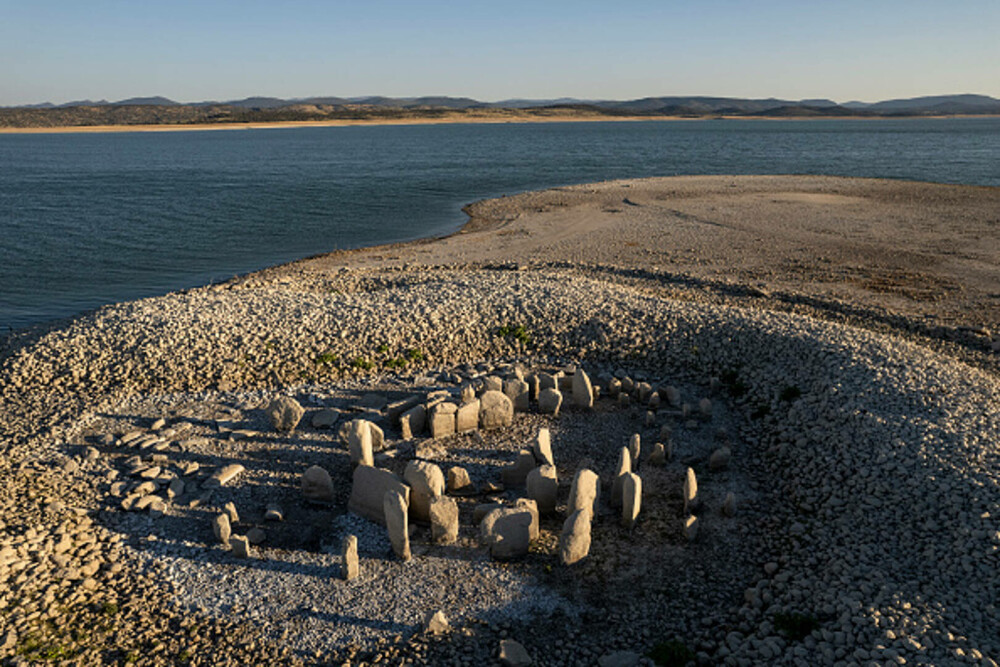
(443, 419)
(444, 520)
(583, 492)
(496, 410)
(574, 541)
(622, 469)
(583, 390)
(458, 482)
(368, 492)
(549, 401)
(542, 447)
(517, 473)
(394, 506)
(221, 528)
(317, 486)
(349, 566)
(543, 488)
(513, 654)
(719, 460)
(631, 499)
(359, 442)
(467, 417)
(284, 413)
(511, 535)
(413, 421)
(325, 418)
(426, 483)
(241, 546)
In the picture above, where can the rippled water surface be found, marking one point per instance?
(89, 219)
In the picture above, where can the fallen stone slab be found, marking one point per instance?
(223, 476)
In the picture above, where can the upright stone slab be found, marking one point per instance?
(443, 419)
(317, 486)
(284, 413)
(631, 499)
(549, 401)
(574, 541)
(658, 457)
(413, 421)
(635, 446)
(654, 401)
(467, 417)
(518, 391)
(690, 492)
(496, 410)
(622, 470)
(394, 506)
(542, 447)
(368, 492)
(533, 386)
(511, 535)
(221, 528)
(643, 391)
(444, 520)
(543, 488)
(359, 443)
(583, 390)
(516, 474)
(349, 566)
(426, 483)
(583, 492)
(241, 546)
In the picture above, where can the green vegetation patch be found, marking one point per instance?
(516, 332)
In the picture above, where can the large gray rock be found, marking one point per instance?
(426, 483)
(583, 390)
(467, 417)
(623, 468)
(496, 410)
(443, 419)
(396, 511)
(574, 541)
(284, 413)
(631, 499)
(444, 520)
(549, 401)
(542, 447)
(583, 492)
(317, 486)
(690, 492)
(368, 492)
(325, 418)
(349, 566)
(511, 535)
(359, 442)
(543, 488)
(513, 654)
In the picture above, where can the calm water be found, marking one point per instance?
(89, 219)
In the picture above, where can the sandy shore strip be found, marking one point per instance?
(840, 330)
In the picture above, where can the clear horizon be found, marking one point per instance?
(58, 51)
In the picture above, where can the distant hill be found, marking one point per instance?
(933, 104)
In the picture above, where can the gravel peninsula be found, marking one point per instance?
(820, 352)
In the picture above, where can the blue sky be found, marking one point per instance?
(189, 51)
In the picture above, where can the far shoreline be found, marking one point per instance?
(441, 120)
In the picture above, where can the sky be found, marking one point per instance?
(58, 51)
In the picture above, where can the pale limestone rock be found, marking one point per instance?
(241, 546)
(691, 528)
(635, 446)
(436, 623)
(631, 499)
(458, 482)
(325, 418)
(223, 476)
(518, 391)
(690, 492)
(583, 492)
(284, 413)
(413, 421)
(230, 510)
(444, 520)
(221, 528)
(719, 460)
(549, 401)
(729, 504)
(426, 483)
(394, 506)
(317, 486)
(467, 416)
(513, 654)
(359, 442)
(530, 506)
(349, 565)
(583, 389)
(368, 492)
(542, 447)
(622, 468)
(443, 419)
(517, 473)
(492, 383)
(574, 541)
(543, 488)
(496, 410)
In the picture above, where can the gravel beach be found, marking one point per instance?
(834, 336)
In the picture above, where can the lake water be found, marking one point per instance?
(90, 219)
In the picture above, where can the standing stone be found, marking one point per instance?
(359, 443)
(583, 390)
(530, 506)
(543, 488)
(221, 528)
(583, 492)
(654, 401)
(426, 483)
(549, 401)
(517, 473)
(496, 410)
(658, 456)
(533, 387)
(458, 482)
(729, 504)
(614, 387)
(574, 541)
(444, 520)
(705, 407)
(436, 623)
(284, 413)
(443, 419)
(673, 395)
(413, 421)
(511, 535)
(547, 381)
(631, 499)
(395, 509)
(230, 509)
(691, 528)
(643, 390)
(623, 468)
(635, 446)
(518, 391)
(317, 486)
(513, 654)
(468, 393)
(543, 447)
(349, 567)
(492, 383)
(690, 492)
(368, 492)
(719, 460)
(241, 546)
(467, 416)
(223, 476)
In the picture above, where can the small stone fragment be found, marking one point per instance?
(349, 566)
(513, 654)
(317, 486)
(273, 512)
(395, 510)
(549, 401)
(436, 623)
(459, 483)
(284, 413)
(241, 546)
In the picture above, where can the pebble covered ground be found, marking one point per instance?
(865, 464)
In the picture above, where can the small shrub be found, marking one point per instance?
(382, 349)
(795, 626)
(790, 393)
(515, 331)
(395, 363)
(416, 355)
(326, 358)
(109, 609)
(671, 653)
